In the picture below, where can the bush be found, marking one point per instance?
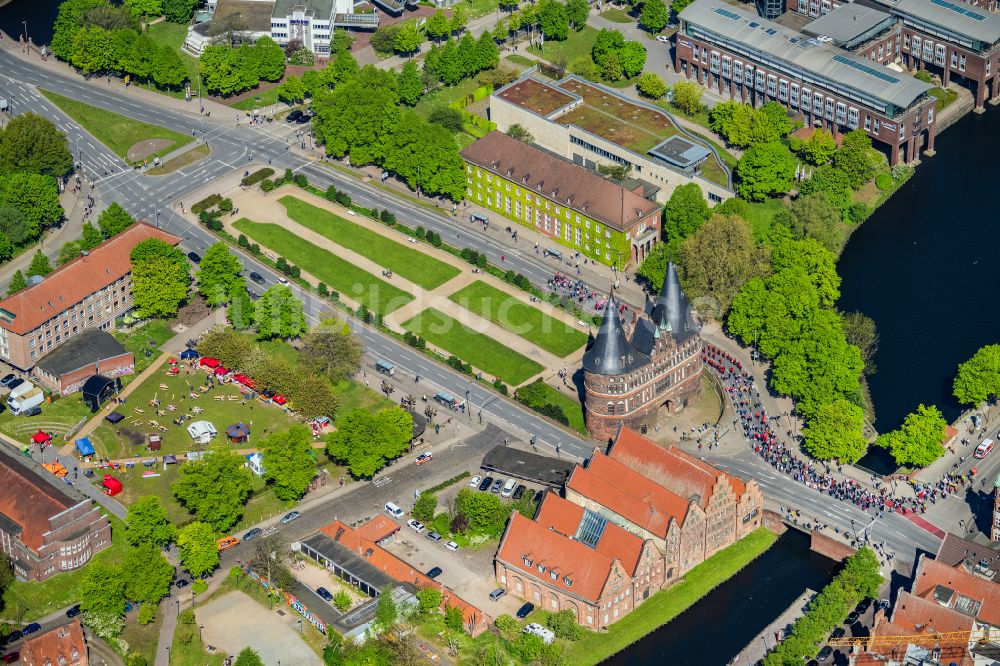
(858, 212)
(322, 289)
(301, 180)
(344, 199)
(206, 203)
(287, 178)
(388, 218)
(226, 205)
(420, 233)
(146, 614)
(441, 523)
(508, 628)
(199, 586)
(563, 625)
(453, 618)
(923, 75)
(884, 181)
(533, 395)
(267, 185)
(257, 176)
(423, 508)
(342, 600)
(243, 241)
(459, 524)
(331, 193)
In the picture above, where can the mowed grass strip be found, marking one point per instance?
(406, 260)
(549, 333)
(479, 349)
(341, 276)
(116, 131)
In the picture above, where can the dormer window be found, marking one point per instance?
(568, 581)
(541, 568)
(527, 561)
(554, 575)
(74, 653)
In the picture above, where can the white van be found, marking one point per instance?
(394, 511)
(538, 630)
(508, 488)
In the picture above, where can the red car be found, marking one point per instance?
(424, 457)
(11, 657)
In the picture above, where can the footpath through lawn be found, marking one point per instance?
(549, 333)
(113, 130)
(340, 275)
(408, 261)
(479, 349)
(667, 604)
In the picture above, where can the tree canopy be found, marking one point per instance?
(744, 126)
(919, 441)
(160, 278)
(220, 275)
(330, 350)
(279, 314)
(147, 523)
(147, 574)
(684, 213)
(32, 143)
(214, 489)
(102, 590)
(366, 442)
(978, 379)
(765, 170)
(717, 260)
(36, 196)
(654, 16)
(836, 431)
(197, 548)
(289, 464)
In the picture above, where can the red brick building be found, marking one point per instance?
(62, 646)
(89, 292)
(632, 521)
(46, 527)
(93, 352)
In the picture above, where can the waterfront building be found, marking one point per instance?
(596, 126)
(628, 377)
(739, 55)
(46, 527)
(632, 521)
(870, 32)
(576, 208)
(912, 635)
(90, 292)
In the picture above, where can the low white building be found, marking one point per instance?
(202, 432)
(312, 22)
(255, 463)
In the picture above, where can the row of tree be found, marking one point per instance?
(229, 68)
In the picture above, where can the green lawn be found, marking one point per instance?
(616, 15)
(761, 214)
(444, 96)
(57, 417)
(577, 45)
(338, 274)
(665, 605)
(262, 99)
(479, 349)
(173, 35)
(518, 317)
(519, 59)
(144, 341)
(113, 130)
(477, 8)
(944, 97)
(401, 258)
(142, 638)
(570, 405)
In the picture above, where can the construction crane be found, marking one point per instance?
(929, 639)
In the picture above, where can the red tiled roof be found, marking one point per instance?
(630, 494)
(29, 500)
(913, 615)
(72, 282)
(587, 568)
(931, 573)
(564, 517)
(378, 528)
(674, 469)
(59, 642)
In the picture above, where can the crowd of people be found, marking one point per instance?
(576, 289)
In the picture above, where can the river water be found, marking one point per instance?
(923, 267)
(39, 14)
(716, 628)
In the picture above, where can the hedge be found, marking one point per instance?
(206, 203)
(257, 176)
(533, 396)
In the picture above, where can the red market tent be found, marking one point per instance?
(111, 485)
(41, 438)
(209, 362)
(279, 399)
(221, 370)
(243, 379)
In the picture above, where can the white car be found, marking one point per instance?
(663, 39)
(451, 545)
(474, 482)
(283, 281)
(417, 526)
(411, 239)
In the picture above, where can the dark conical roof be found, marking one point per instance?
(611, 353)
(672, 310)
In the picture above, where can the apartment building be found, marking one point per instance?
(90, 292)
(740, 55)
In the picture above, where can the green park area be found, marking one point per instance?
(513, 314)
(117, 132)
(173, 35)
(577, 45)
(482, 351)
(408, 262)
(338, 274)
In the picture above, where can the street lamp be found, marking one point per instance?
(200, 627)
(178, 602)
(26, 38)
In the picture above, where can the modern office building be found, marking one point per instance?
(868, 31)
(740, 55)
(575, 207)
(312, 22)
(596, 126)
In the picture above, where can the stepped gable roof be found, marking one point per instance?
(611, 353)
(538, 551)
(628, 493)
(674, 469)
(672, 310)
(974, 596)
(564, 517)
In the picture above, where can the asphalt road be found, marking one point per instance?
(234, 147)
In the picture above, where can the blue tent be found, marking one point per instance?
(189, 354)
(85, 447)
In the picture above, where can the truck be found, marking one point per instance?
(25, 401)
(19, 391)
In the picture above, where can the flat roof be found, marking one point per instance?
(847, 22)
(953, 15)
(319, 9)
(256, 14)
(806, 57)
(528, 466)
(87, 348)
(680, 152)
(536, 96)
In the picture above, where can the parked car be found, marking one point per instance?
(14, 383)
(474, 481)
(434, 573)
(497, 593)
(32, 411)
(194, 257)
(293, 116)
(15, 635)
(416, 525)
(838, 632)
(31, 628)
(424, 457)
(852, 618)
(508, 488)
(7, 380)
(486, 483)
(289, 517)
(663, 39)
(253, 534)
(525, 610)
(497, 485)
(825, 653)
(324, 594)
(863, 605)
(451, 545)
(434, 536)
(182, 583)
(518, 492)
(74, 611)
(283, 280)
(12, 657)
(303, 119)
(256, 277)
